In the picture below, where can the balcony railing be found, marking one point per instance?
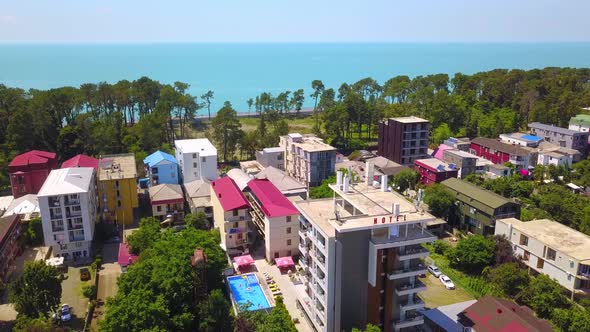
(74, 238)
(57, 229)
(408, 272)
(409, 322)
(416, 303)
(72, 201)
(407, 289)
(412, 252)
(73, 213)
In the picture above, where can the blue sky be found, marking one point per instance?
(119, 21)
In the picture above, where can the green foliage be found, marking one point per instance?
(323, 191)
(89, 291)
(405, 179)
(215, 313)
(368, 328)
(543, 295)
(473, 253)
(148, 233)
(571, 320)
(96, 264)
(509, 278)
(581, 173)
(37, 324)
(37, 292)
(441, 133)
(226, 130)
(33, 232)
(439, 200)
(278, 320)
(197, 220)
(474, 285)
(441, 247)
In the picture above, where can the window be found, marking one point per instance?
(154, 170)
(236, 225)
(288, 230)
(289, 242)
(118, 193)
(524, 240)
(240, 236)
(203, 159)
(550, 254)
(159, 208)
(194, 165)
(276, 255)
(289, 220)
(194, 156)
(117, 183)
(540, 263)
(235, 213)
(172, 175)
(289, 253)
(527, 256)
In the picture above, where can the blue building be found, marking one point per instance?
(161, 168)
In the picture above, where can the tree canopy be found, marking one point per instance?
(37, 292)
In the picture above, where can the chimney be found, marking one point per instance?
(346, 183)
(339, 179)
(383, 183)
(369, 172)
(396, 208)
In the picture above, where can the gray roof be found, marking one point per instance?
(240, 178)
(552, 128)
(386, 166)
(481, 199)
(165, 192)
(281, 180)
(198, 188)
(499, 146)
(446, 316)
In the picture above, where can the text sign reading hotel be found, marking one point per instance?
(385, 220)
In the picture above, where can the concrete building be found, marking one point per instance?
(464, 161)
(117, 188)
(198, 196)
(563, 137)
(404, 139)
(360, 254)
(10, 232)
(384, 166)
(497, 171)
(307, 158)
(81, 160)
(521, 139)
(478, 209)
(27, 207)
(167, 201)
(556, 158)
(580, 122)
(434, 171)
(68, 204)
(29, 170)
(274, 157)
(197, 159)
(161, 168)
(546, 147)
(275, 218)
(231, 214)
(461, 144)
(287, 185)
(500, 153)
(551, 248)
(252, 167)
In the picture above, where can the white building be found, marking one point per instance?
(197, 159)
(551, 248)
(307, 158)
(26, 206)
(274, 157)
(68, 204)
(521, 139)
(556, 158)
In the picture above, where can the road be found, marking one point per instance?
(107, 281)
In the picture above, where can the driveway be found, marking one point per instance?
(107, 282)
(71, 293)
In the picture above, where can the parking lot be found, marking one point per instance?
(71, 293)
(437, 295)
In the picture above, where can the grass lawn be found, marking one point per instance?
(301, 125)
(437, 295)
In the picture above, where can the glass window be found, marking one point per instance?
(540, 263)
(289, 219)
(524, 240)
(235, 213)
(288, 230)
(289, 242)
(203, 159)
(550, 254)
(194, 155)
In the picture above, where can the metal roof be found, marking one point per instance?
(470, 193)
(157, 157)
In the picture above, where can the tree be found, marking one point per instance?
(278, 320)
(40, 324)
(441, 133)
(197, 220)
(571, 320)
(368, 328)
(297, 100)
(508, 278)
(323, 190)
(207, 97)
(250, 102)
(215, 313)
(543, 295)
(439, 200)
(473, 253)
(405, 179)
(226, 130)
(318, 88)
(504, 252)
(143, 238)
(37, 292)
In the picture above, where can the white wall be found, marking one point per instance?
(276, 236)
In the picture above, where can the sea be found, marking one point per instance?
(237, 72)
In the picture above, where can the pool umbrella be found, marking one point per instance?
(284, 262)
(244, 260)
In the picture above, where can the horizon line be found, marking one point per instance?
(285, 42)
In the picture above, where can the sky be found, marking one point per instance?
(246, 21)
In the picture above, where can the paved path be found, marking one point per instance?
(107, 282)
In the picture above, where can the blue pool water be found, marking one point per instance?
(246, 290)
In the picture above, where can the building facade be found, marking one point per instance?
(580, 122)
(167, 201)
(198, 195)
(551, 248)
(555, 158)
(161, 168)
(434, 171)
(275, 218)
(10, 231)
(29, 170)
(117, 188)
(500, 153)
(563, 137)
(231, 214)
(274, 157)
(197, 159)
(466, 162)
(68, 204)
(404, 140)
(307, 158)
(521, 139)
(478, 209)
(360, 254)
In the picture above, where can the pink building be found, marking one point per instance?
(29, 170)
(81, 160)
(434, 171)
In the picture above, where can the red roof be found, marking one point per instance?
(272, 201)
(229, 194)
(81, 160)
(33, 157)
(125, 257)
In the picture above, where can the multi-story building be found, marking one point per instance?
(117, 188)
(10, 231)
(167, 201)
(197, 159)
(500, 153)
(29, 170)
(198, 195)
(580, 122)
(478, 209)
(81, 160)
(551, 248)
(231, 214)
(274, 157)
(521, 139)
(466, 162)
(275, 218)
(68, 204)
(307, 158)
(404, 140)
(161, 168)
(434, 171)
(287, 185)
(564, 137)
(556, 158)
(461, 143)
(361, 257)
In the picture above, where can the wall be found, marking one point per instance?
(276, 236)
(128, 198)
(167, 173)
(206, 166)
(480, 151)
(33, 181)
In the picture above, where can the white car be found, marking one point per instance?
(446, 281)
(66, 312)
(434, 270)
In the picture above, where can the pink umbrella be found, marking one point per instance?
(283, 262)
(244, 260)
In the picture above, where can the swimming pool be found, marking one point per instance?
(246, 291)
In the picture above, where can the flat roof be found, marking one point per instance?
(320, 211)
(67, 181)
(409, 119)
(552, 128)
(202, 146)
(524, 137)
(273, 149)
(439, 166)
(272, 201)
(117, 167)
(461, 153)
(555, 235)
(310, 143)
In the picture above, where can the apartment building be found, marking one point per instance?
(555, 158)
(68, 204)
(580, 122)
(275, 218)
(197, 159)
(464, 161)
(198, 195)
(29, 170)
(361, 257)
(167, 201)
(434, 171)
(231, 215)
(10, 248)
(161, 168)
(551, 248)
(117, 188)
(274, 157)
(563, 137)
(478, 209)
(404, 139)
(461, 143)
(500, 153)
(307, 158)
(521, 139)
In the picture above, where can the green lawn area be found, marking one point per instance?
(302, 125)
(437, 295)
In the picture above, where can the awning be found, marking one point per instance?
(244, 260)
(284, 262)
(125, 257)
(55, 261)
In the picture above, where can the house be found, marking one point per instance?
(434, 171)
(445, 318)
(198, 196)
(275, 218)
(580, 122)
(29, 170)
(274, 157)
(167, 202)
(161, 168)
(478, 209)
(10, 231)
(27, 207)
(461, 144)
(500, 153)
(521, 139)
(81, 160)
(307, 158)
(384, 166)
(197, 159)
(68, 204)
(287, 185)
(555, 158)
(497, 171)
(403, 139)
(231, 214)
(551, 248)
(117, 188)
(466, 162)
(125, 258)
(5, 202)
(563, 137)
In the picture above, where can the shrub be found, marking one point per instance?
(440, 247)
(89, 291)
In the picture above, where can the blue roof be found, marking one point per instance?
(156, 157)
(531, 138)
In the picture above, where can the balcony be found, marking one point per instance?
(54, 202)
(408, 322)
(412, 271)
(73, 213)
(76, 237)
(412, 253)
(407, 289)
(55, 229)
(302, 233)
(413, 235)
(69, 201)
(55, 215)
(303, 262)
(75, 225)
(412, 304)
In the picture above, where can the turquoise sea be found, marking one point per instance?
(236, 72)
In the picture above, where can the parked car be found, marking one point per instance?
(446, 281)
(64, 314)
(84, 274)
(434, 270)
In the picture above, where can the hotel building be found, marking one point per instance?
(404, 139)
(307, 158)
(117, 188)
(197, 159)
